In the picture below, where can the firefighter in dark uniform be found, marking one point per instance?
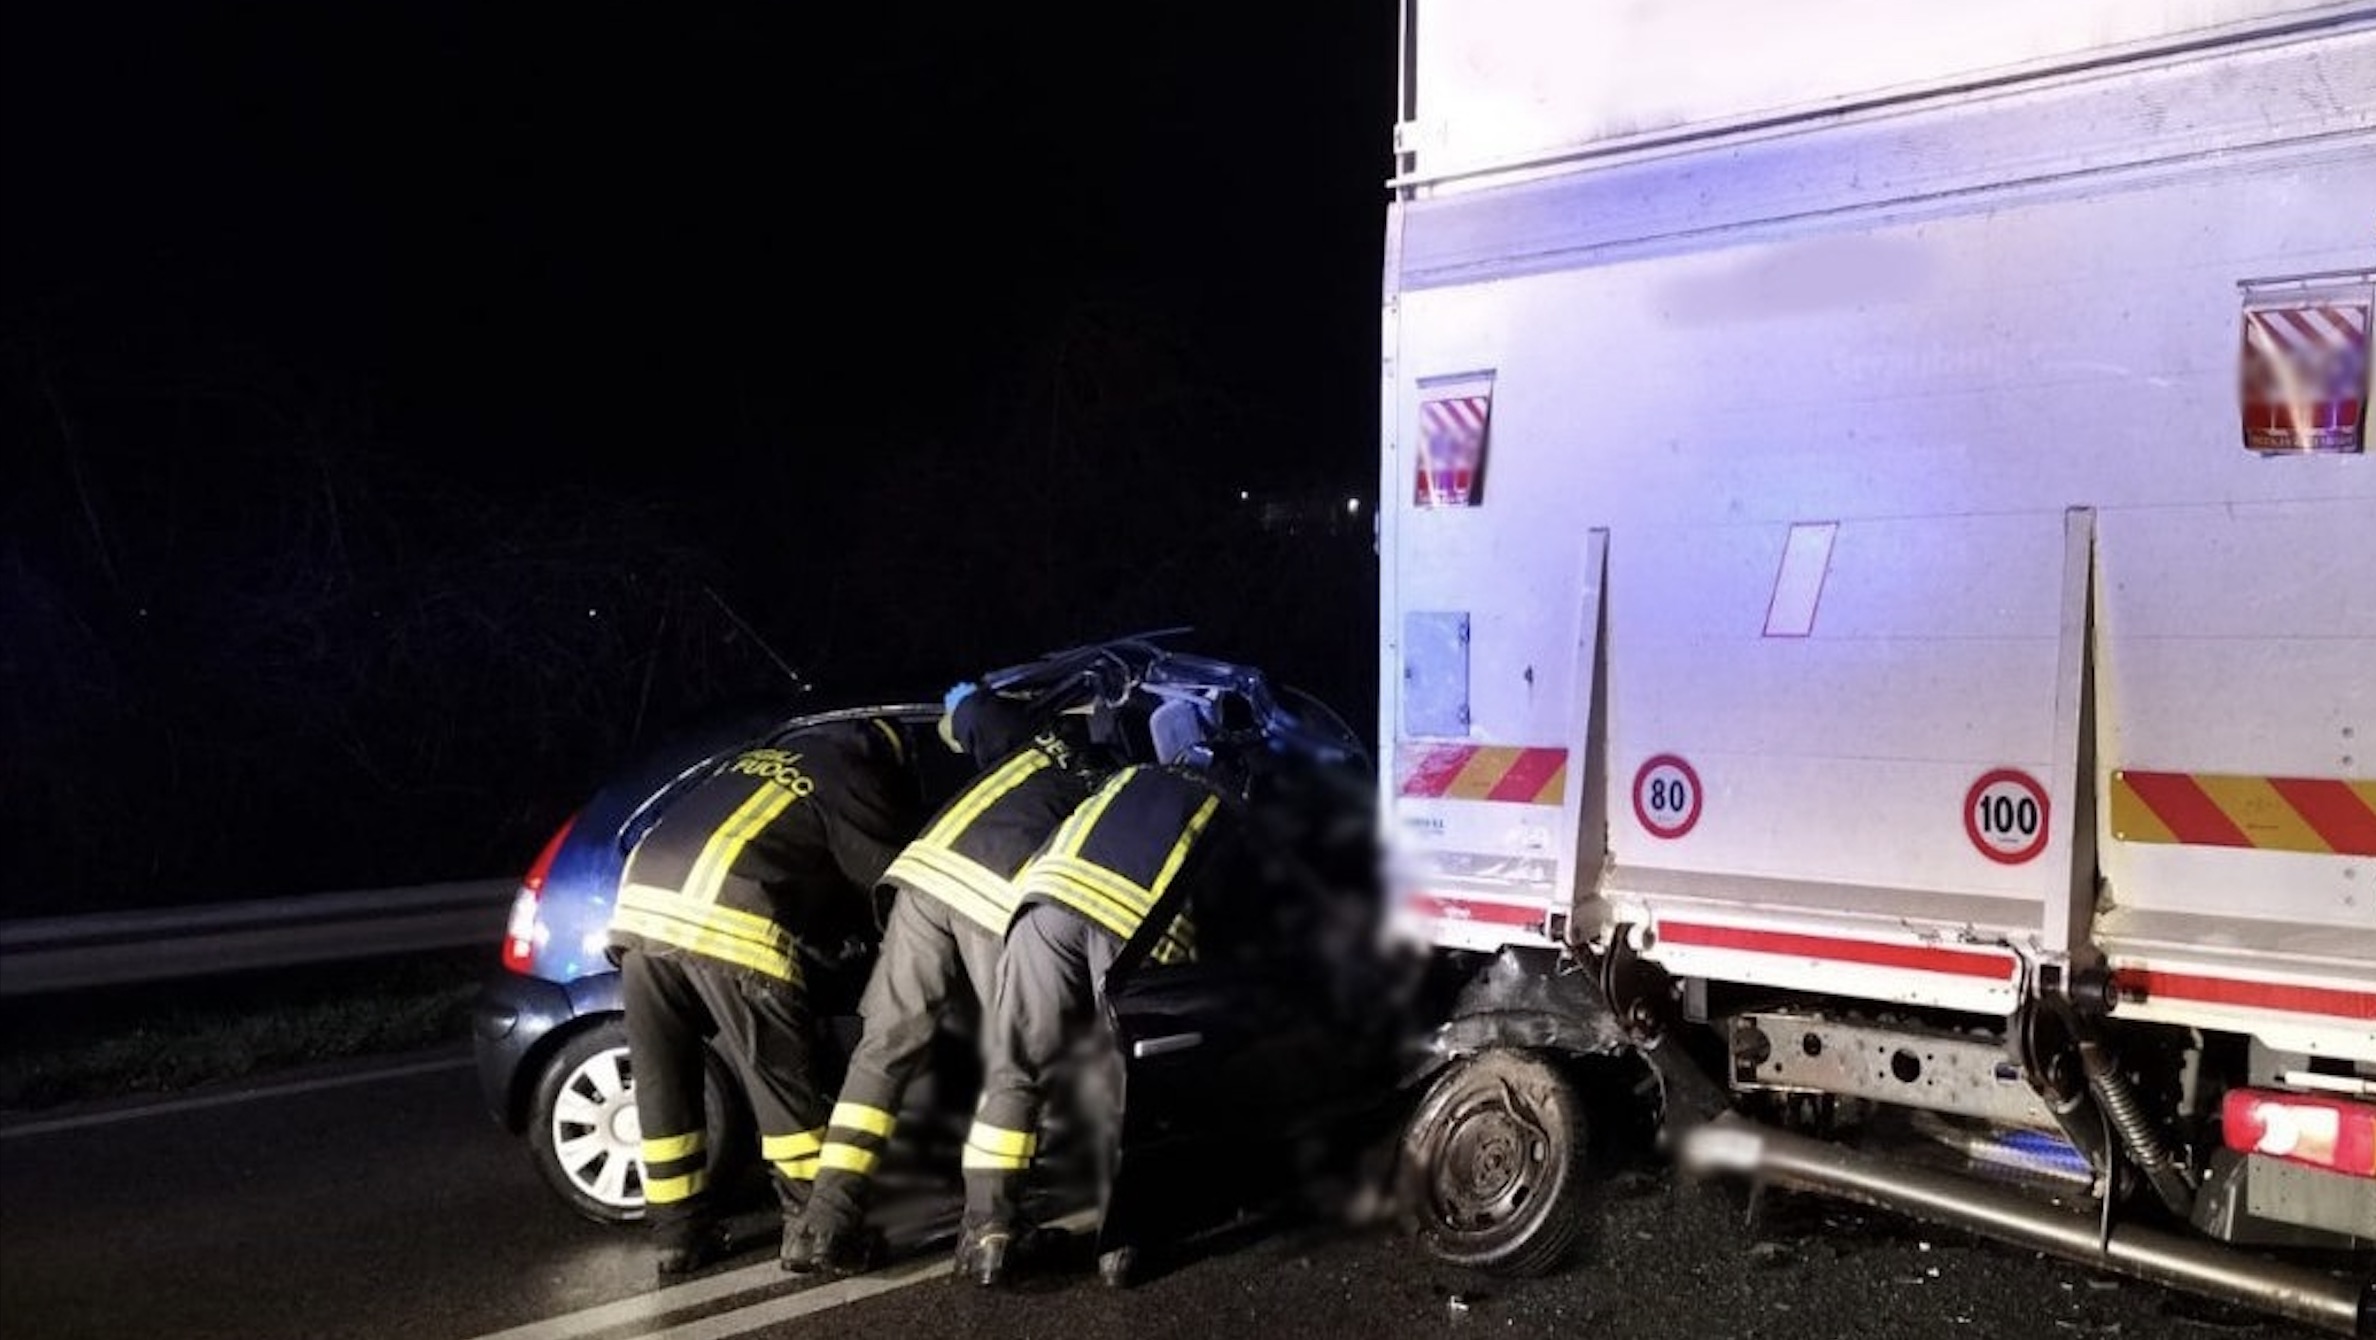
(1124, 870)
(780, 843)
(955, 897)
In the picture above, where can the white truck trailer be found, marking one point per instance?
(1879, 593)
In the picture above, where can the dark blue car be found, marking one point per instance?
(1221, 1079)
(552, 1049)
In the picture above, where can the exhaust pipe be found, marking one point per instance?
(1733, 1145)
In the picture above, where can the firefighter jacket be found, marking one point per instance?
(777, 841)
(1148, 833)
(970, 852)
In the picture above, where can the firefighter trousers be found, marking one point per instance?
(675, 1004)
(930, 951)
(1055, 964)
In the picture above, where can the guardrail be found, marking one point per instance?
(120, 948)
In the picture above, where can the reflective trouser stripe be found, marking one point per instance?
(855, 1136)
(798, 1145)
(860, 1117)
(669, 1190)
(672, 1167)
(670, 1148)
(849, 1159)
(991, 1148)
(794, 1155)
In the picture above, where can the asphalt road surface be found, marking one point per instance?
(379, 1202)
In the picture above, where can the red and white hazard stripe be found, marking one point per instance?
(1459, 921)
(2283, 331)
(1904, 969)
(1453, 421)
(2323, 1015)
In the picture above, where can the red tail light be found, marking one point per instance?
(2332, 1133)
(520, 935)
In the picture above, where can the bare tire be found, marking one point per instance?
(1493, 1165)
(585, 1138)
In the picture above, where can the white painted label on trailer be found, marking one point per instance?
(1798, 587)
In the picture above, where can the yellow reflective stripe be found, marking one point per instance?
(898, 746)
(717, 857)
(799, 1170)
(733, 921)
(959, 895)
(985, 793)
(1179, 851)
(977, 1161)
(849, 1158)
(670, 1148)
(1086, 900)
(860, 1117)
(799, 1145)
(1181, 932)
(707, 943)
(978, 879)
(668, 1190)
(691, 932)
(1178, 944)
(1069, 838)
(999, 1140)
(698, 882)
(1111, 883)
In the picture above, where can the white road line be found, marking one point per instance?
(646, 1306)
(201, 1102)
(770, 1311)
(791, 1307)
(742, 1321)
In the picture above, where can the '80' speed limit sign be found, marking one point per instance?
(1666, 796)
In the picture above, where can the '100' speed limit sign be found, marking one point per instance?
(2005, 816)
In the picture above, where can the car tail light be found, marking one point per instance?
(2332, 1133)
(520, 935)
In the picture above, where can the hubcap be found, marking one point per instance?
(597, 1137)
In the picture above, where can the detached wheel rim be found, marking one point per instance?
(597, 1136)
(1493, 1161)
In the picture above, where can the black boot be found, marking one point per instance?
(820, 1248)
(986, 1253)
(682, 1246)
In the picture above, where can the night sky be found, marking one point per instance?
(411, 411)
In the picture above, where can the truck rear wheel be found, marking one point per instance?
(1494, 1165)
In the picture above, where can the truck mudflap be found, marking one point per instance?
(2344, 1304)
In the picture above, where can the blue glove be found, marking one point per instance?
(948, 721)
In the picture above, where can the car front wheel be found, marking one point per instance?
(1494, 1165)
(585, 1136)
